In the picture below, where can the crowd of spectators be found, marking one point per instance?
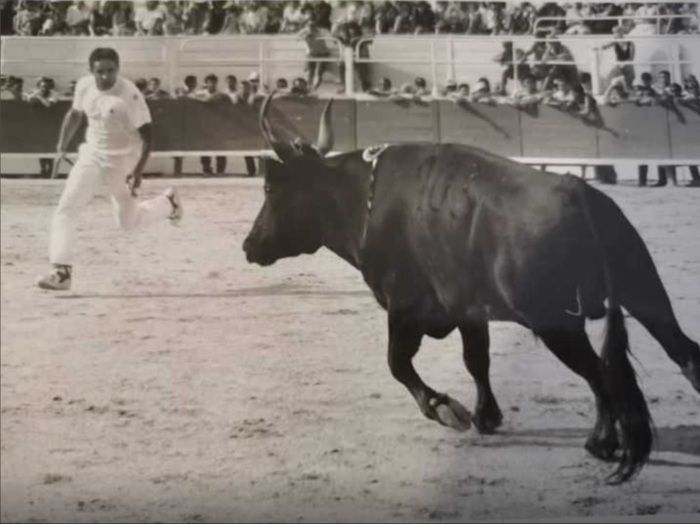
(196, 17)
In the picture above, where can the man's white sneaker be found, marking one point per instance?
(58, 280)
(177, 212)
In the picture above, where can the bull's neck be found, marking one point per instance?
(353, 197)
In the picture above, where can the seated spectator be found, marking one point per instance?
(450, 88)
(526, 95)
(215, 18)
(384, 89)
(644, 93)
(142, 85)
(189, 88)
(691, 88)
(14, 89)
(45, 93)
(154, 91)
(256, 89)
(663, 85)
(482, 92)
(416, 91)
(461, 94)
(299, 87)
(232, 89)
(253, 19)
(150, 19)
(562, 95)
(78, 18)
(316, 40)
(282, 86)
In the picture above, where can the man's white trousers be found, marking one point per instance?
(93, 170)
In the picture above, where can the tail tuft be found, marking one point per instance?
(631, 409)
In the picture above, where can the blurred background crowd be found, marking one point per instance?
(196, 17)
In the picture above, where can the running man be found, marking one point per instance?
(117, 145)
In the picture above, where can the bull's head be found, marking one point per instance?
(291, 220)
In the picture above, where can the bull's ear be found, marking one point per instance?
(325, 131)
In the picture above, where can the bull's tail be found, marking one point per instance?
(630, 407)
(620, 381)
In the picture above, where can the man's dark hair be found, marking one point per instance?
(646, 76)
(141, 84)
(211, 77)
(103, 53)
(231, 77)
(584, 78)
(665, 73)
(190, 79)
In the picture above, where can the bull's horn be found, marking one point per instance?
(325, 131)
(283, 150)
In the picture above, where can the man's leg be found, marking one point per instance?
(694, 175)
(77, 193)
(130, 212)
(206, 165)
(220, 165)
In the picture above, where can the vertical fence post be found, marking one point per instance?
(435, 92)
(595, 71)
(261, 60)
(349, 59)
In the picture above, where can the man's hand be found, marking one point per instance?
(133, 181)
(60, 156)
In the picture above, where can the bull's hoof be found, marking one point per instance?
(451, 413)
(602, 449)
(486, 423)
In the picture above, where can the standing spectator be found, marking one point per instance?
(78, 18)
(172, 21)
(257, 90)
(507, 58)
(194, 16)
(150, 20)
(349, 34)
(122, 20)
(154, 91)
(624, 55)
(316, 39)
(293, 17)
(216, 15)
(100, 23)
(253, 19)
(423, 18)
(188, 89)
(452, 18)
(15, 88)
(232, 13)
(385, 17)
(44, 95)
(209, 94)
(7, 17)
(557, 52)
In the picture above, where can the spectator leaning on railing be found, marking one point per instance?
(45, 96)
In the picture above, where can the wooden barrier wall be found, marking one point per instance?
(627, 131)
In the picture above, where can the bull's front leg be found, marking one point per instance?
(404, 341)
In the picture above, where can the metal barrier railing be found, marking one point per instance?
(657, 18)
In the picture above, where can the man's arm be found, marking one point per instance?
(70, 125)
(146, 132)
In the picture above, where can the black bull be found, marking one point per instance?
(450, 236)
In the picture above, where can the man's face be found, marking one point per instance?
(210, 85)
(44, 87)
(154, 85)
(664, 79)
(232, 84)
(105, 73)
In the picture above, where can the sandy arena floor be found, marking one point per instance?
(176, 382)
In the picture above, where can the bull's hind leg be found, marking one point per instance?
(574, 349)
(475, 351)
(404, 342)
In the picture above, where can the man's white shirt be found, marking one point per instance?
(114, 116)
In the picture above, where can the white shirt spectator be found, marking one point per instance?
(114, 116)
(78, 13)
(148, 19)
